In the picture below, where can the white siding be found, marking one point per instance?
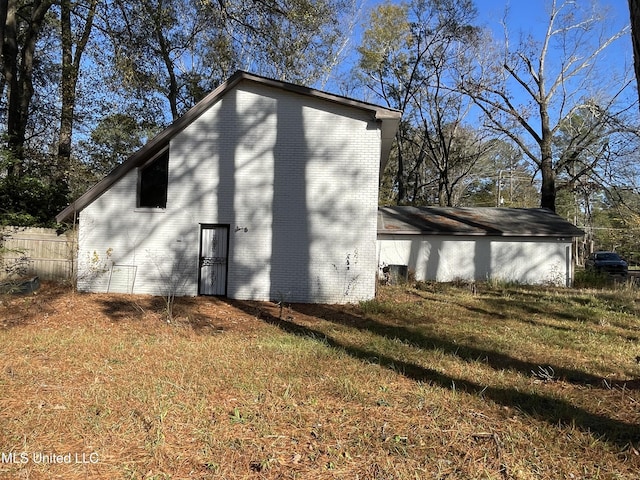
(294, 177)
(450, 258)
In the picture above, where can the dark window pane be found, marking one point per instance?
(154, 179)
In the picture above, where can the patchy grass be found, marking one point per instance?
(431, 381)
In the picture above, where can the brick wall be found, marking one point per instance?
(294, 177)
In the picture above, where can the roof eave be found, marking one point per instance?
(389, 123)
(156, 144)
(482, 234)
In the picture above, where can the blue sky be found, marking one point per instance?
(533, 11)
(530, 16)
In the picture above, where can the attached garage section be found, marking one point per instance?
(447, 258)
(528, 246)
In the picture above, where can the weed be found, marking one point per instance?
(346, 272)
(236, 416)
(372, 307)
(592, 279)
(173, 277)
(13, 261)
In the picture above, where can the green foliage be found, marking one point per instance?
(591, 279)
(179, 50)
(113, 139)
(14, 265)
(30, 201)
(386, 38)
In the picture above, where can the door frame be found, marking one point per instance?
(210, 226)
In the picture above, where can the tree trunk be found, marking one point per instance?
(10, 70)
(634, 9)
(402, 193)
(68, 94)
(18, 63)
(4, 8)
(548, 188)
(442, 194)
(70, 73)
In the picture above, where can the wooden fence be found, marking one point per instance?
(38, 252)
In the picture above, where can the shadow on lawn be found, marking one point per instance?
(531, 312)
(185, 311)
(498, 361)
(554, 411)
(586, 308)
(118, 309)
(17, 309)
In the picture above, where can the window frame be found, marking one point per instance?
(162, 155)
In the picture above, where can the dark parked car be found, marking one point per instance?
(607, 262)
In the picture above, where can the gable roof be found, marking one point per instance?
(483, 221)
(388, 119)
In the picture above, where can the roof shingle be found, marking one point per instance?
(506, 222)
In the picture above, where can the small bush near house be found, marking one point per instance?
(13, 262)
(438, 382)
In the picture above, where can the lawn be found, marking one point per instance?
(428, 381)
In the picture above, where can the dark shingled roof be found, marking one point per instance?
(500, 222)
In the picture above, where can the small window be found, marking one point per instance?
(153, 182)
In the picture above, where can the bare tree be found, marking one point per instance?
(407, 58)
(529, 91)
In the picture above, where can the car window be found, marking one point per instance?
(608, 256)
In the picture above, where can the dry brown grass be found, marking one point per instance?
(432, 382)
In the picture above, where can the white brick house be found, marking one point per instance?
(444, 244)
(264, 190)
